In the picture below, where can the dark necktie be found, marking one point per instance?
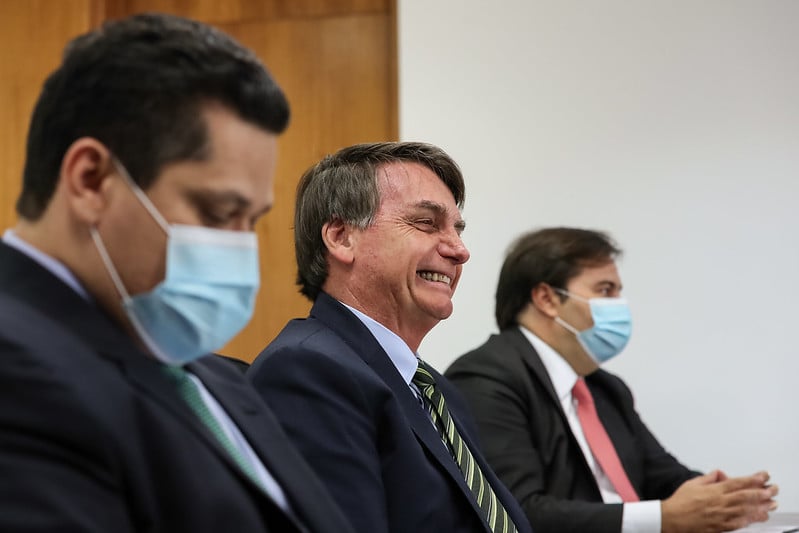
(600, 443)
(495, 514)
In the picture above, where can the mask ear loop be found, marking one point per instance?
(126, 299)
(569, 327)
(109, 265)
(564, 292)
(143, 198)
(559, 320)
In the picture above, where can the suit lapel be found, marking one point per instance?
(533, 361)
(539, 371)
(271, 445)
(360, 339)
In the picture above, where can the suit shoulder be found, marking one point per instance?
(307, 340)
(309, 356)
(611, 383)
(496, 356)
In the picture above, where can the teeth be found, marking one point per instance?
(435, 276)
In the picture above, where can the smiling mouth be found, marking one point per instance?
(434, 276)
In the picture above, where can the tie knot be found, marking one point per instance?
(423, 378)
(581, 393)
(175, 373)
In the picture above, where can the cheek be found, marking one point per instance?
(139, 257)
(578, 317)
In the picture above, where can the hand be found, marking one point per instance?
(713, 502)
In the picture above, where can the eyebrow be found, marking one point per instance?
(442, 211)
(228, 197)
(607, 282)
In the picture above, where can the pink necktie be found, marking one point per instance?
(600, 443)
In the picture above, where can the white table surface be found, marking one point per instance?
(777, 523)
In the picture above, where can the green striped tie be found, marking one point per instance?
(495, 514)
(190, 393)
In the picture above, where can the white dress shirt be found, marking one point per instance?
(638, 517)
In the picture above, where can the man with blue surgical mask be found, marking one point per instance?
(150, 158)
(562, 433)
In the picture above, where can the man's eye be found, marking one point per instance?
(214, 219)
(426, 222)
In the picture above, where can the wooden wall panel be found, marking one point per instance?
(340, 85)
(236, 11)
(32, 36)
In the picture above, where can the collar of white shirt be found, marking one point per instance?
(561, 374)
(401, 356)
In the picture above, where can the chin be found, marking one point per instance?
(443, 314)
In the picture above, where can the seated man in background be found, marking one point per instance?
(563, 434)
(377, 233)
(150, 156)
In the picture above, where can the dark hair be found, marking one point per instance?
(344, 186)
(138, 85)
(553, 256)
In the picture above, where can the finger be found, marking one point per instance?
(760, 513)
(705, 479)
(738, 483)
(763, 474)
(748, 498)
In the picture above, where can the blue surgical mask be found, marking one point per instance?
(611, 330)
(207, 295)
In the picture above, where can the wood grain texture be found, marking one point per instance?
(237, 11)
(32, 37)
(340, 81)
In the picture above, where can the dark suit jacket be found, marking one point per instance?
(357, 422)
(94, 437)
(528, 441)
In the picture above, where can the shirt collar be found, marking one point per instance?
(561, 374)
(52, 265)
(403, 359)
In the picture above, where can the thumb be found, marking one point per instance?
(713, 476)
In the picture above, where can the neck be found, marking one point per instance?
(563, 341)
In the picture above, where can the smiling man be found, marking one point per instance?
(378, 244)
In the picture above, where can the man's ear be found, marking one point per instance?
(339, 240)
(546, 300)
(84, 169)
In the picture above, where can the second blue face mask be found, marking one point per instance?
(611, 330)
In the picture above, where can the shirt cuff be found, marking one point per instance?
(641, 517)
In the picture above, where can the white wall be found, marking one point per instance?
(674, 125)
